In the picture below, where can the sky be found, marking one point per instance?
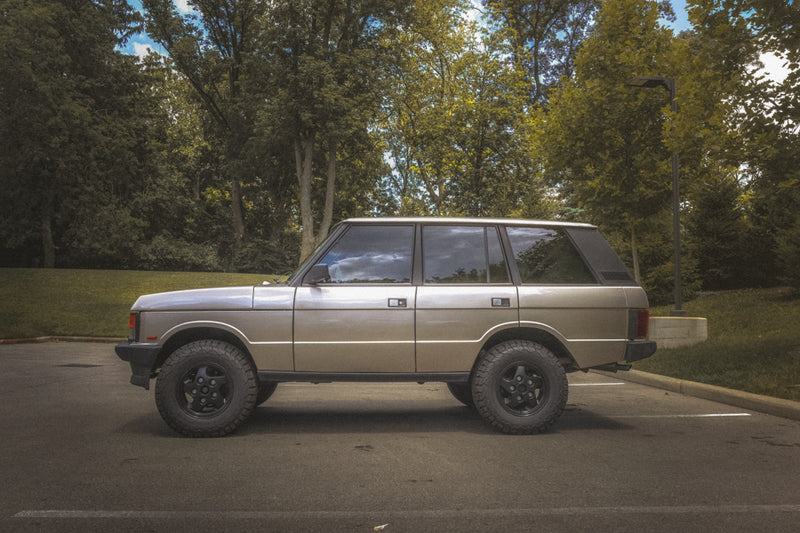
(139, 44)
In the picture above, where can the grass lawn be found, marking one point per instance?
(753, 343)
(93, 303)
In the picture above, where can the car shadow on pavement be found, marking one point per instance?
(290, 420)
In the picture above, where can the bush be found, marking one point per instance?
(166, 252)
(788, 252)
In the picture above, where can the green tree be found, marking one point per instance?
(602, 140)
(715, 229)
(325, 63)
(68, 130)
(542, 38)
(455, 123)
(754, 127)
(212, 51)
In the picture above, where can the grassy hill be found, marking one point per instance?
(753, 344)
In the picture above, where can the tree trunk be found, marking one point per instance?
(236, 210)
(330, 190)
(48, 246)
(635, 255)
(304, 157)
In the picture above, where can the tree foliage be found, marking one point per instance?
(270, 121)
(542, 38)
(67, 156)
(602, 139)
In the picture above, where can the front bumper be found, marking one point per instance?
(142, 358)
(638, 350)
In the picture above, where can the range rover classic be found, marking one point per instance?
(500, 310)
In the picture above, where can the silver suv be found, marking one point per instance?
(498, 309)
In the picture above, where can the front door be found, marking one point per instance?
(362, 318)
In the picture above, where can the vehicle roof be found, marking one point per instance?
(468, 220)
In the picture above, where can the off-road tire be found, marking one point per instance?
(265, 390)
(462, 392)
(520, 387)
(206, 389)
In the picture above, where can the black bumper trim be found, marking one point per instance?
(142, 358)
(638, 350)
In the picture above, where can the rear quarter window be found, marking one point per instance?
(547, 256)
(604, 260)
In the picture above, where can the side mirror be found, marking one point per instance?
(318, 274)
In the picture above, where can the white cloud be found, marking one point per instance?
(183, 6)
(141, 49)
(774, 67)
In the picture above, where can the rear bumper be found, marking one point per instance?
(638, 350)
(142, 358)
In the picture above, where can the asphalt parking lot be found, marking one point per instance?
(81, 449)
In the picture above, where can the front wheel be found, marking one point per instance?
(206, 389)
(520, 387)
(265, 390)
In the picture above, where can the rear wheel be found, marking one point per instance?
(206, 389)
(520, 387)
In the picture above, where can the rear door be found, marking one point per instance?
(362, 319)
(465, 295)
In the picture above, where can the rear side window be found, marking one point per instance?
(462, 254)
(546, 255)
(372, 254)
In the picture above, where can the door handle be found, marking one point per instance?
(501, 302)
(398, 302)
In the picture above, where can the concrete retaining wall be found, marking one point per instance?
(673, 331)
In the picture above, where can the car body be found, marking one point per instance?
(401, 299)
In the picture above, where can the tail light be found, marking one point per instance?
(638, 323)
(642, 323)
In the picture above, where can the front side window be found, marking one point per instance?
(546, 255)
(462, 254)
(372, 254)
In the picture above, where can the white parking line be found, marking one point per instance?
(422, 513)
(709, 415)
(595, 384)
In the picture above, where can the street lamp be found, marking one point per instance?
(669, 84)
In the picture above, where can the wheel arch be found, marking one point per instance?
(198, 333)
(545, 338)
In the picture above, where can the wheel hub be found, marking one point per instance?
(520, 390)
(204, 390)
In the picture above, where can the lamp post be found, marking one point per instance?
(669, 84)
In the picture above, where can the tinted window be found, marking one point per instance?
(601, 256)
(372, 254)
(462, 254)
(547, 256)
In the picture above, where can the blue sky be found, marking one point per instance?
(139, 43)
(682, 17)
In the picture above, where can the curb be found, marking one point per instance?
(41, 340)
(747, 400)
